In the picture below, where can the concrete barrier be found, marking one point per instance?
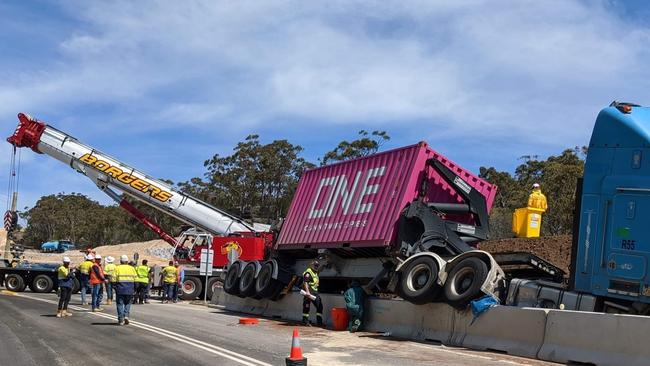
(599, 339)
(430, 322)
(551, 335)
(515, 331)
(247, 305)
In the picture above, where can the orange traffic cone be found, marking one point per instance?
(295, 358)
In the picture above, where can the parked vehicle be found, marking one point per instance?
(57, 246)
(39, 277)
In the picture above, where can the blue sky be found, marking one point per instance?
(164, 85)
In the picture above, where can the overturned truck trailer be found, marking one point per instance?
(406, 221)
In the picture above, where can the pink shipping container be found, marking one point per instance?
(357, 203)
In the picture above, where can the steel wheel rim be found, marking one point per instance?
(418, 277)
(41, 284)
(189, 287)
(463, 280)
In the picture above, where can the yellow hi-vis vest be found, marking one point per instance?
(169, 274)
(62, 273)
(143, 273)
(537, 200)
(313, 284)
(124, 273)
(109, 269)
(84, 267)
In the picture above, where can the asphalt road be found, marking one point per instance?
(184, 334)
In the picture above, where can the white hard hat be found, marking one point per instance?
(110, 259)
(124, 258)
(536, 185)
(90, 256)
(66, 259)
(97, 256)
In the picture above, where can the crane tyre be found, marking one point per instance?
(42, 284)
(247, 280)
(231, 284)
(214, 284)
(276, 293)
(464, 282)
(265, 284)
(191, 288)
(15, 283)
(418, 282)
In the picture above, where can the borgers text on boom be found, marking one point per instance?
(126, 178)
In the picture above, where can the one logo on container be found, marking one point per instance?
(343, 195)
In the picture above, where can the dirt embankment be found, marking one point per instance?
(155, 251)
(555, 249)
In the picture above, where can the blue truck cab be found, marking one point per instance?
(611, 250)
(58, 246)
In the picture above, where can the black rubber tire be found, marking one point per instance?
(76, 286)
(191, 288)
(214, 283)
(276, 293)
(464, 282)
(231, 284)
(418, 281)
(15, 283)
(247, 280)
(42, 284)
(265, 284)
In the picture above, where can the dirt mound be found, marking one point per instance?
(555, 249)
(155, 251)
(3, 240)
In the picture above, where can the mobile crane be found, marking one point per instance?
(218, 229)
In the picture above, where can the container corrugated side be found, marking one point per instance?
(357, 203)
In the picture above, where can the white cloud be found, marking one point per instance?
(471, 64)
(474, 70)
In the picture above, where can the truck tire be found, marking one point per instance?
(464, 282)
(42, 284)
(247, 280)
(191, 288)
(15, 283)
(265, 284)
(214, 284)
(277, 291)
(418, 281)
(231, 284)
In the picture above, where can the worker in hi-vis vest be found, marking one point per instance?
(84, 276)
(537, 199)
(65, 278)
(142, 282)
(97, 280)
(169, 278)
(310, 292)
(109, 271)
(124, 278)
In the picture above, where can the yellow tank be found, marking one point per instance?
(527, 222)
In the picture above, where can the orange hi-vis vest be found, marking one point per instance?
(94, 279)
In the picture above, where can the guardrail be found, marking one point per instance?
(550, 335)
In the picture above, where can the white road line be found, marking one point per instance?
(231, 355)
(460, 353)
